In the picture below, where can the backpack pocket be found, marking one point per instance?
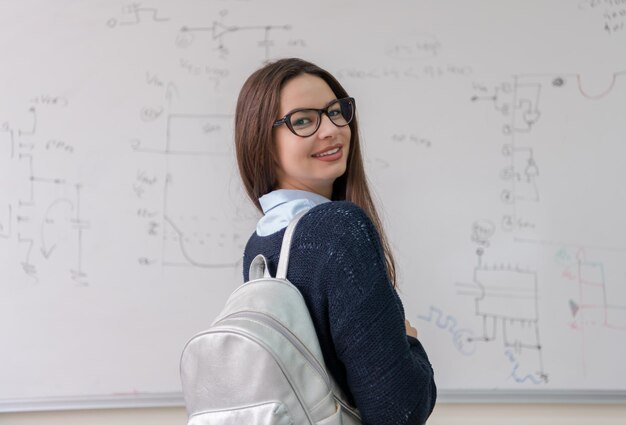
(343, 416)
(334, 419)
(270, 413)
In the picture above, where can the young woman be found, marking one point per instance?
(297, 145)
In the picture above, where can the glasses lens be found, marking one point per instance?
(341, 112)
(304, 123)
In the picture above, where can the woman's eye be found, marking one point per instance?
(334, 112)
(301, 121)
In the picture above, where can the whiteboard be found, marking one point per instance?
(493, 136)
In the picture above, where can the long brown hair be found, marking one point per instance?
(258, 106)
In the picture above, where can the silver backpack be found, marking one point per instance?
(260, 362)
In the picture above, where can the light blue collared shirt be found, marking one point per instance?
(280, 206)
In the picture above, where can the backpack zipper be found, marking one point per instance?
(286, 332)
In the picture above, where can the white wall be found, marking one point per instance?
(444, 414)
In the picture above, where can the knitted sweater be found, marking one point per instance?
(337, 263)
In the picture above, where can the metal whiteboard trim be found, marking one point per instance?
(147, 400)
(121, 401)
(532, 396)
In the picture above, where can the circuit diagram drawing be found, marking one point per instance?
(195, 228)
(591, 304)
(544, 202)
(519, 102)
(506, 302)
(219, 33)
(40, 208)
(134, 14)
(522, 102)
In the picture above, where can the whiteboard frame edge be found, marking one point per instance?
(532, 396)
(130, 401)
(175, 399)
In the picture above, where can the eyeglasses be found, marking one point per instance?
(305, 122)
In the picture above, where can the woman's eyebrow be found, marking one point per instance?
(330, 101)
(310, 107)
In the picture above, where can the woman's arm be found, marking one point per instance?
(388, 372)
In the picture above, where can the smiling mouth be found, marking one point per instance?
(328, 152)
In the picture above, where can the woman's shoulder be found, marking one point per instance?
(342, 220)
(340, 211)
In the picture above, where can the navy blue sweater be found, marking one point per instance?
(337, 262)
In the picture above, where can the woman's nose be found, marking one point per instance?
(327, 128)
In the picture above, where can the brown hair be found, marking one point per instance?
(257, 108)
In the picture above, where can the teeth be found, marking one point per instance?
(330, 152)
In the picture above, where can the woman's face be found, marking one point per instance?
(301, 163)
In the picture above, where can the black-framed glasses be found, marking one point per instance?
(304, 122)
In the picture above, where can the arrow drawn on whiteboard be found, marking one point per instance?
(48, 219)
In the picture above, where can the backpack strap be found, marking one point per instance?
(258, 266)
(283, 260)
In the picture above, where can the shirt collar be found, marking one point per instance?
(278, 197)
(280, 206)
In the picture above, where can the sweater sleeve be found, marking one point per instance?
(388, 372)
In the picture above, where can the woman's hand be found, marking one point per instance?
(410, 330)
